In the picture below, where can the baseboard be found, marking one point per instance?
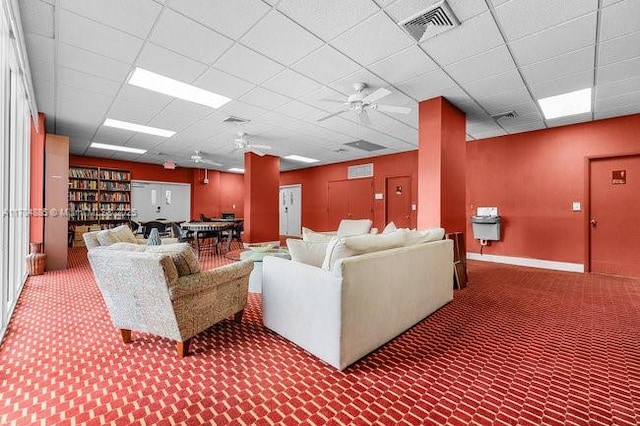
(523, 261)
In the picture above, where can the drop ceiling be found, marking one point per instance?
(278, 60)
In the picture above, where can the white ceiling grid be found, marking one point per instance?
(280, 60)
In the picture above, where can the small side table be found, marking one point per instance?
(459, 259)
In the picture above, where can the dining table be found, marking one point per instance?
(214, 229)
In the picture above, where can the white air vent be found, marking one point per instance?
(360, 171)
(430, 22)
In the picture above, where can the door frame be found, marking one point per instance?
(587, 199)
(291, 185)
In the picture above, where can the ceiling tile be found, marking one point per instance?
(88, 82)
(426, 86)
(528, 106)
(619, 87)
(556, 41)
(520, 18)
(499, 103)
(177, 33)
(192, 109)
(462, 9)
(168, 63)
(277, 37)
(231, 18)
(487, 64)
(504, 82)
(223, 83)
(572, 119)
(115, 44)
(291, 83)
(617, 111)
(132, 112)
(91, 63)
(80, 106)
(538, 125)
(345, 85)
(564, 84)
(134, 17)
(475, 36)
(171, 120)
(264, 98)
(328, 18)
(40, 48)
(144, 97)
(404, 65)
(619, 49)
(247, 64)
(37, 17)
(620, 19)
(326, 65)
(619, 71)
(242, 110)
(521, 120)
(301, 111)
(632, 98)
(560, 66)
(317, 98)
(373, 40)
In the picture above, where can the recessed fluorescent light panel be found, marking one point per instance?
(301, 159)
(118, 148)
(566, 104)
(236, 170)
(138, 128)
(159, 83)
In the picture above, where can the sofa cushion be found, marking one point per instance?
(336, 249)
(182, 255)
(368, 243)
(424, 236)
(350, 227)
(106, 237)
(308, 252)
(124, 234)
(389, 228)
(127, 247)
(315, 237)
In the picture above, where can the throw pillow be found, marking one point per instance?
(369, 243)
(336, 250)
(424, 236)
(124, 234)
(127, 247)
(308, 252)
(389, 228)
(316, 237)
(350, 227)
(182, 255)
(106, 237)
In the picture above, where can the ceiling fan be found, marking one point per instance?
(199, 159)
(242, 143)
(360, 103)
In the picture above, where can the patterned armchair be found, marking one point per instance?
(161, 290)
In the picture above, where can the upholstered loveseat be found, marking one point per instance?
(161, 290)
(119, 234)
(368, 290)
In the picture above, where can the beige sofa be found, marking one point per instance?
(119, 234)
(343, 312)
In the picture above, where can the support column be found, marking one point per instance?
(36, 197)
(261, 194)
(441, 166)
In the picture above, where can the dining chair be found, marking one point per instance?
(161, 227)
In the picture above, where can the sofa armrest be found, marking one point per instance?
(302, 303)
(206, 280)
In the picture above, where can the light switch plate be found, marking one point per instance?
(414, 207)
(576, 206)
(379, 196)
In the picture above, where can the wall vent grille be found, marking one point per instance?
(430, 22)
(360, 171)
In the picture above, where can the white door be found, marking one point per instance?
(160, 200)
(291, 210)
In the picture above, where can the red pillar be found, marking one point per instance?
(261, 194)
(441, 166)
(36, 194)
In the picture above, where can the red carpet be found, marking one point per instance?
(518, 346)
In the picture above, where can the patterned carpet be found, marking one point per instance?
(517, 346)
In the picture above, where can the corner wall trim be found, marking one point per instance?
(523, 261)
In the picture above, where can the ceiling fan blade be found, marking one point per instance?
(378, 94)
(332, 115)
(363, 118)
(392, 108)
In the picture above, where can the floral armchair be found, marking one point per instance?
(161, 290)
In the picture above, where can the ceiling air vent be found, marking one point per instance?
(232, 119)
(430, 22)
(365, 146)
(507, 115)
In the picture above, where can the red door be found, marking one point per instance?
(615, 215)
(349, 199)
(399, 201)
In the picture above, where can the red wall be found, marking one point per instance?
(533, 177)
(261, 192)
(36, 197)
(222, 191)
(314, 182)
